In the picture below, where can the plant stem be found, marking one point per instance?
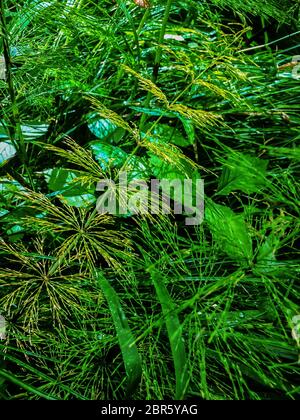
(157, 59)
(143, 20)
(15, 130)
(134, 31)
(160, 41)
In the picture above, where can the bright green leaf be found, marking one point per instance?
(229, 231)
(72, 192)
(108, 155)
(106, 130)
(244, 173)
(170, 135)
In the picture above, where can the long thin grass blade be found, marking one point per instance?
(131, 357)
(12, 378)
(174, 329)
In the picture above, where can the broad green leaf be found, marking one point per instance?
(113, 156)
(83, 200)
(137, 168)
(170, 135)
(3, 212)
(171, 174)
(9, 188)
(131, 357)
(7, 151)
(64, 180)
(72, 192)
(266, 261)
(268, 249)
(15, 233)
(154, 112)
(108, 155)
(229, 231)
(30, 131)
(106, 130)
(244, 173)
(163, 170)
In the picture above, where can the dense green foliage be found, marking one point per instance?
(142, 306)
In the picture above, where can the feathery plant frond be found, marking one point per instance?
(111, 115)
(149, 86)
(280, 10)
(82, 158)
(86, 236)
(38, 289)
(199, 117)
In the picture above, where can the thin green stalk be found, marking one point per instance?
(12, 378)
(55, 266)
(160, 41)
(270, 43)
(157, 59)
(143, 20)
(15, 130)
(134, 31)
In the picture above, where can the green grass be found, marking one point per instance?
(143, 306)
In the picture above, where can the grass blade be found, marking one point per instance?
(131, 357)
(174, 329)
(10, 377)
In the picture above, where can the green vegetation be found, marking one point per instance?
(101, 306)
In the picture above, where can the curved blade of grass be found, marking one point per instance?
(131, 357)
(10, 377)
(174, 329)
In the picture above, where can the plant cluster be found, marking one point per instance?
(101, 306)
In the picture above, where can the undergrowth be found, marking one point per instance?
(100, 306)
